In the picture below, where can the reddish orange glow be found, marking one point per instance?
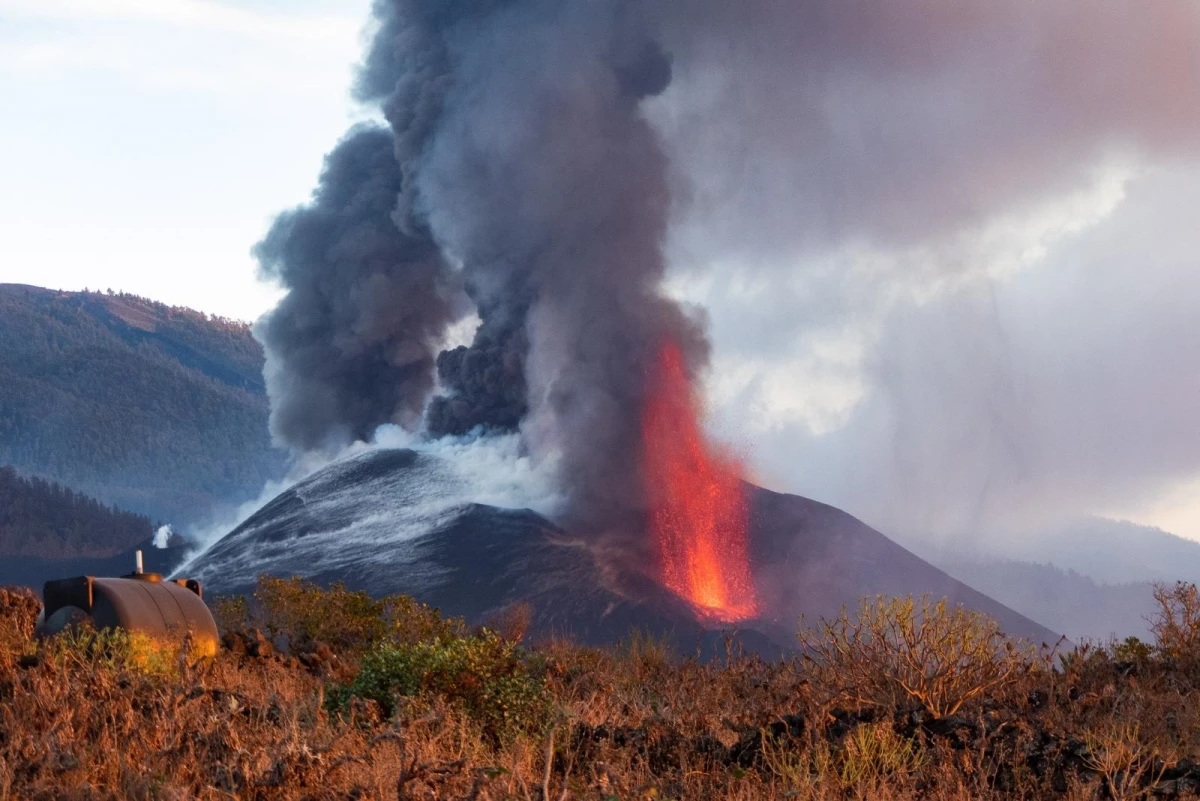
(698, 513)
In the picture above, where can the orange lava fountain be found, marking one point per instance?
(698, 512)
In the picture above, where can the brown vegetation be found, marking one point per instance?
(330, 694)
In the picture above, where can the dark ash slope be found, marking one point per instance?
(397, 521)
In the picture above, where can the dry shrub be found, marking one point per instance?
(1176, 627)
(894, 649)
(19, 609)
(871, 759)
(512, 622)
(874, 753)
(1128, 767)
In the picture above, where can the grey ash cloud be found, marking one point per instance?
(540, 156)
(353, 343)
(518, 152)
(484, 382)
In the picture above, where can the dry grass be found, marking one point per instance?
(901, 700)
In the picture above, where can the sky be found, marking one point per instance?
(146, 144)
(951, 284)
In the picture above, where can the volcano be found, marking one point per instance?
(395, 520)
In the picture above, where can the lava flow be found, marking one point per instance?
(698, 512)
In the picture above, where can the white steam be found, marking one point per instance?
(490, 470)
(162, 537)
(499, 470)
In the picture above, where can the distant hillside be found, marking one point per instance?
(1093, 578)
(48, 531)
(1064, 600)
(42, 519)
(1107, 551)
(153, 408)
(1114, 551)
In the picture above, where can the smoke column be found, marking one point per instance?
(352, 344)
(825, 159)
(518, 149)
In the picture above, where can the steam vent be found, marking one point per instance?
(142, 603)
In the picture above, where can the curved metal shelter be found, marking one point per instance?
(140, 602)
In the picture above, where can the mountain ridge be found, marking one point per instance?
(157, 409)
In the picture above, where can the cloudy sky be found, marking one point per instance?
(949, 257)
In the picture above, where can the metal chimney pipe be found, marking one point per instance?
(139, 562)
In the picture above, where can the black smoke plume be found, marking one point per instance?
(352, 344)
(519, 146)
(485, 382)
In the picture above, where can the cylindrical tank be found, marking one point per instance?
(140, 602)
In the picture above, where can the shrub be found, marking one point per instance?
(895, 650)
(300, 611)
(1177, 626)
(117, 650)
(489, 678)
(869, 757)
(874, 752)
(511, 622)
(19, 610)
(1128, 767)
(408, 621)
(232, 613)
(1132, 649)
(84, 715)
(297, 612)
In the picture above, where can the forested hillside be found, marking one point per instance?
(153, 408)
(43, 519)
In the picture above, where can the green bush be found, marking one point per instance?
(1132, 649)
(295, 611)
(90, 650)
(490, 679)
(301, 611)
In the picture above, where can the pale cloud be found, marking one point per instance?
(328, 29)
(1008, 399)
(1176, 509)
(945, 257)
(793, 342)
(186, 45)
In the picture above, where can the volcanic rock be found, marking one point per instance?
(399, 521)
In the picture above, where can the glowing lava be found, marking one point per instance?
(698, 512)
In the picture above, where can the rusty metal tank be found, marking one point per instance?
(145, 603)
